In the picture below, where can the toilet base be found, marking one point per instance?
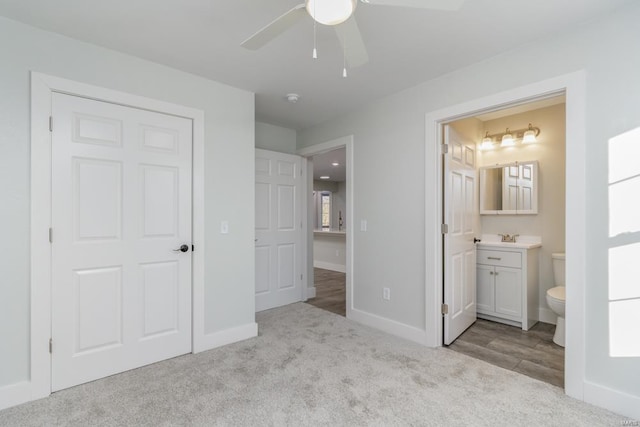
(558, 337)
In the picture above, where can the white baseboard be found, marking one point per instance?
(547, 316)
(329, 266)
(613, 400)
(15, 394)
(227, 336)
(311, 292)
(387, 325)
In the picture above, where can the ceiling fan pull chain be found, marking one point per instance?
(314, 55)
(344, 59)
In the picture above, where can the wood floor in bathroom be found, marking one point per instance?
(532, 353)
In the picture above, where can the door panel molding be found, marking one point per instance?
(42, 89)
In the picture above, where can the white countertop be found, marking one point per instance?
(522, 242)
(329, 232)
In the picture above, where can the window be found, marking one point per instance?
(325, 210)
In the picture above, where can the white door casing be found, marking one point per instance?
(278, 229)
(462, 217)
(121, 205)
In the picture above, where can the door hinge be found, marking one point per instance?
(445, 309)
(193, 248)
(301, 277)
(445, 148)
(51, 345)
(444, 228)
(50, 123)
(50, 235)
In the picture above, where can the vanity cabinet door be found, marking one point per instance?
(508, 292)
(485, 298)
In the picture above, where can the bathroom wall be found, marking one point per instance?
(549, 223)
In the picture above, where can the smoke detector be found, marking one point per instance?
(292, 97)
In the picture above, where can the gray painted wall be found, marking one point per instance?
(389, 135)
(229, 182)
(275, 138)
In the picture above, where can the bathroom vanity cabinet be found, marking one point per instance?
(507, 284)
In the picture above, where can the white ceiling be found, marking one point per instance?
(406, 46)
(322, 165)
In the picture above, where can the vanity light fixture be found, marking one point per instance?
(325, 177)
(510, 137)
(507, 139)
(335, 164)
(487, 142)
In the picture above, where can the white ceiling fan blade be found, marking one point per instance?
(420, 4)
(352, 43)
(275, 28)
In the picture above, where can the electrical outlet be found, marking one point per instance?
(386, 294)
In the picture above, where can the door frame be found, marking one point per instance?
(42, 88)
(347, 142)
(573, 85)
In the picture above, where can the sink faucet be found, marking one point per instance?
(508, 238)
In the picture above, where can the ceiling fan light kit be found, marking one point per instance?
(331, 12)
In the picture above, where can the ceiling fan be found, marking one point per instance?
(339, 14)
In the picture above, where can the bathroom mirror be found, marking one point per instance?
(509, 189)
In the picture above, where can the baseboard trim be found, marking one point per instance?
(227, 336)
(311, 292)
(547, 316)
(389, 326)
(15, 394)
(330, 266)
(613, 400)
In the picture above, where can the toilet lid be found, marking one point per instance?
(558, 293)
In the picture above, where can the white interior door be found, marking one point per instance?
(121, 204)
(278, 231)
(462, 216)
(510, 176)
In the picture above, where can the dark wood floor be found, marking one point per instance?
(532, 353)
(330, 291)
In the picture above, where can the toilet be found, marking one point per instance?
(556, 296)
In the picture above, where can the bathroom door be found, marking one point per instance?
(461, 214)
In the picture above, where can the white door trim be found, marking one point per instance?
(42, 88)
(347, 142)
(574, 86)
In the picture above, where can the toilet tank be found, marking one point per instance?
(558, 268)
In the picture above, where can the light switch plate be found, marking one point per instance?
(363, 225)
(224, 227)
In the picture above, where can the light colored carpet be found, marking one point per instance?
(311, 367)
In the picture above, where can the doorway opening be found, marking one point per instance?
(328, 209)
(329, 239)
(515, 231)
